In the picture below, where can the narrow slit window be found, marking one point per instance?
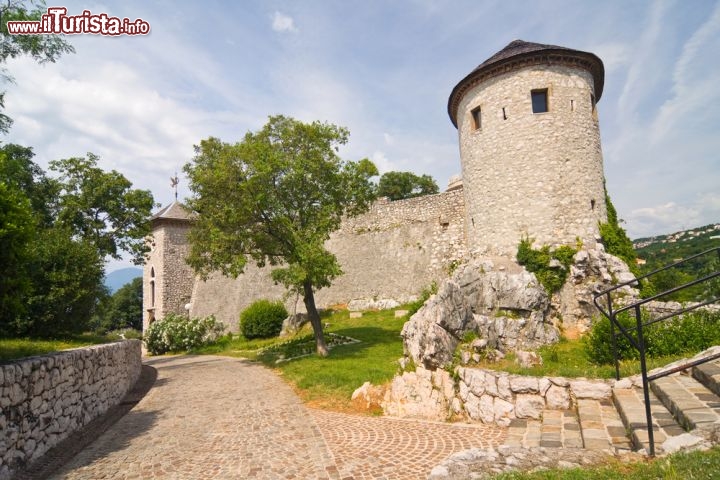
(504, 114)
(539, 100)
(476, 118)
(592, 104)
(572, 105)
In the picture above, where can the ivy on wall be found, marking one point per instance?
(551, 267)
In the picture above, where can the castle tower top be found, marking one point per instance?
(519, 54)
(174, 212)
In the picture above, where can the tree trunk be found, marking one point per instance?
(314, 316)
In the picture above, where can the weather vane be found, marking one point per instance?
(174, 183)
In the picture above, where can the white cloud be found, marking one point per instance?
(389, 139)
(614, 55)
(673, 217)
(283, 23)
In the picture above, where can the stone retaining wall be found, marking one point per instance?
(46, 398)
(486, 396)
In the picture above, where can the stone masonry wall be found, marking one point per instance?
(391, 252)
(46, 398)
(488, 396)
(525, 173)
(173, 277)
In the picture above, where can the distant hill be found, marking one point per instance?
(118, 278)
(662, 250)
(665, 249)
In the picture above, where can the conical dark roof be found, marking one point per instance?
(174, 211)
(520, 53)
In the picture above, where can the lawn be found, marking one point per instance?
(329, 382)
(680, 466)
(13, 348)
(569, 359)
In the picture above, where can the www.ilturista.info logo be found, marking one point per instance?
(56, 20)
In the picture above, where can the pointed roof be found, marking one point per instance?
(174, 211)
(518, 54)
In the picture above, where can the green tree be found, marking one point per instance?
(73, 223)
(67, 277)
(102, 208)
(124, 307)
(17, 229)
(274, 198)
(400, 185)
(41, 48)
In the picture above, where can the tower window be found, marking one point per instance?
(476, 117)
(504, 114)
(539, 100)
(592, 104)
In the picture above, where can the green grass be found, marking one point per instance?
(14, 348)
(568, 359)
(330, 381)
(681, 466)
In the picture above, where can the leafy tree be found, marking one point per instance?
(41, 48)
(17, 228)
(67, 278)
(53, 266)
(400, 185)
(18, 169)
(274, 198)
(102, 208)
(124, 308)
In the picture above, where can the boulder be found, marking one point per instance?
(292, 324)
(368, 397)
(433, 333)
(372, 304)
(528, 359)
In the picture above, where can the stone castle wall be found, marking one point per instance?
(46, 398)
(525, 173)
(391, 252)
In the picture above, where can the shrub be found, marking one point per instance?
(176, 333)
(539, 262)
(262, 319)
(688, 334)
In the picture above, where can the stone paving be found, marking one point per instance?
(222, 418)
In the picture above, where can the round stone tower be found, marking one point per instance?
(530, 148)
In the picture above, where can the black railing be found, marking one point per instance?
(637, 341)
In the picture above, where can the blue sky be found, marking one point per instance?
(384, 69)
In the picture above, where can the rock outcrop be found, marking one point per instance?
(505, 305)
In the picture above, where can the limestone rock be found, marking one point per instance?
(528, 359)
(292, 324)
(369, 397)
(432, 334)
(487, 290)
(594, 390)
(372, 304)
(529, 406)
(421, 394)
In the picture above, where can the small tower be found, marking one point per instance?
(167, 279)
(530, 148)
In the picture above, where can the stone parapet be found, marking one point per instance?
(46, 398)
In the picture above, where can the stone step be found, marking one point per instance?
(630, 404)
(692, 405)
(556, 429)
(601, 426)
(709, 375)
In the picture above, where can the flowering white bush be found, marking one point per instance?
(176, 333)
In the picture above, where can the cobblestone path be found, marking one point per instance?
(222, 418)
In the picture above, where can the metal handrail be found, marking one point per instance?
(638, 341)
